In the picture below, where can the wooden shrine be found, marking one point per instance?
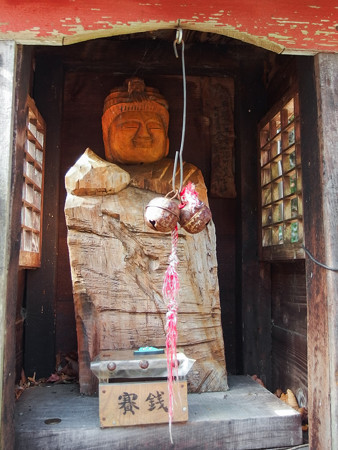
(271, 182)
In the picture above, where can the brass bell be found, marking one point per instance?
(194, 217)
(162, 214)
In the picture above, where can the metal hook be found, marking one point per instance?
(179, 35)
(179, 38)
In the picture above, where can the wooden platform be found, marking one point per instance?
(247, 416)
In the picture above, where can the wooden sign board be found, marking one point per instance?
(125, 404)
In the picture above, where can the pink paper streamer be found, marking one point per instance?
(170, 291)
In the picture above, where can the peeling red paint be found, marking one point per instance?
(282, 23)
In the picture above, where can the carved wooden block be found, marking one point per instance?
(118, 266)
(124, 404)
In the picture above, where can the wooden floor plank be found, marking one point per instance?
(247, 416)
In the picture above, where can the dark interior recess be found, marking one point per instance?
(263, 304)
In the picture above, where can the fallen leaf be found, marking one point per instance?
(53, 378)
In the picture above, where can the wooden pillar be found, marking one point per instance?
(253, 291)
(326, 71)
(319, 130)
(9, 248)
(41, 283)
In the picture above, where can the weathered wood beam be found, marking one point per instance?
(326, 70)
(320, 187)
(141, 57)
(246, 416)
(9, 253)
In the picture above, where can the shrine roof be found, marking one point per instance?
(286, 26)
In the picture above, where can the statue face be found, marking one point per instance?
(138, 136)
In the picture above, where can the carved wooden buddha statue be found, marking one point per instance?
(135, 124)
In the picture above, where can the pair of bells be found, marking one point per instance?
(163, 214)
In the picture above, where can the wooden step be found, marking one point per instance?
(247, 416)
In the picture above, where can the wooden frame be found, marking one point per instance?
(9, 251)
(320, 188)
(281, 202)
(32, 193)
(319, 228)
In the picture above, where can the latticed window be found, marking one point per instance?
(281, 181)
(32, 195)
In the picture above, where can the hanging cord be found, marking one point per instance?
(179, 154)
(334, 269)
(170, 291)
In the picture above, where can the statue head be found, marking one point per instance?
(135, 124)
